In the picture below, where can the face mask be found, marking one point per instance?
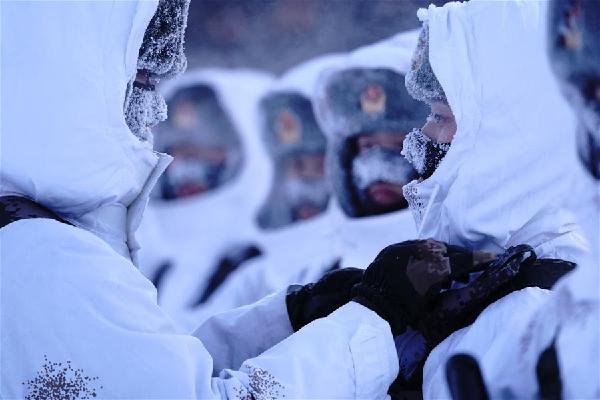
(302, 191)
(379, 164)
(144, 109)
(423, 153)
(188, 172)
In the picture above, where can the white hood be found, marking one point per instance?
(198, 230)
(506, 176)
(76, 157)
(305, 76)
(360, 239)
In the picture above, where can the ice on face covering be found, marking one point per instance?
(380, 165)
(144, 110)
(365, 103)
(296, 146)
(161, 56)
(423, 153)
(201, 137)
(311, 191)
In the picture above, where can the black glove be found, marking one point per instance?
(404, 278)
(317, 300)
(457, 308)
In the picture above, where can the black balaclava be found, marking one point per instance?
(424, 153)
(198, 123)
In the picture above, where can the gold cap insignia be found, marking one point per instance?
(372, 99)
(288, 128)
(569, 29)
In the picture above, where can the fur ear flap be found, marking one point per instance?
(161, 53)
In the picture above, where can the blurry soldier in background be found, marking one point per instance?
(203, 213)
(296, 229)
(203, 141)
(296, 145)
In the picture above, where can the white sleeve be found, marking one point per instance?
(495, 335)
(350, 354)
(244, 286)
(69, 299)
(234, 336)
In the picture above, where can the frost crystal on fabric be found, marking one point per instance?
(161, 52)
(421, 83)
(144, 110)
(161, 56)
(416, 202)
(423, 153)
(380, 165)
(300, 191)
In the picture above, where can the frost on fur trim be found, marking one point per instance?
(161, 52)
(379, 165)
(421, 83)
(145, 109)
(416, 202)
(423, 153)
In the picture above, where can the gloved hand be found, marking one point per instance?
(305, 303)
(404, 278)
(457, 308)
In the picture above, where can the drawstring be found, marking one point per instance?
(436, 189)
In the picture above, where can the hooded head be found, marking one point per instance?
(369, 114)
(66, 142)
(427, 146)
(502, 180)
(366, 111)
(296, 146)
(202, 139)
(574, 47)
(220, 163)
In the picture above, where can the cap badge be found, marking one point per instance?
(569, 30)
(288, 128)
(372, 99)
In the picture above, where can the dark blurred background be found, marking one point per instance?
(275, 35)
